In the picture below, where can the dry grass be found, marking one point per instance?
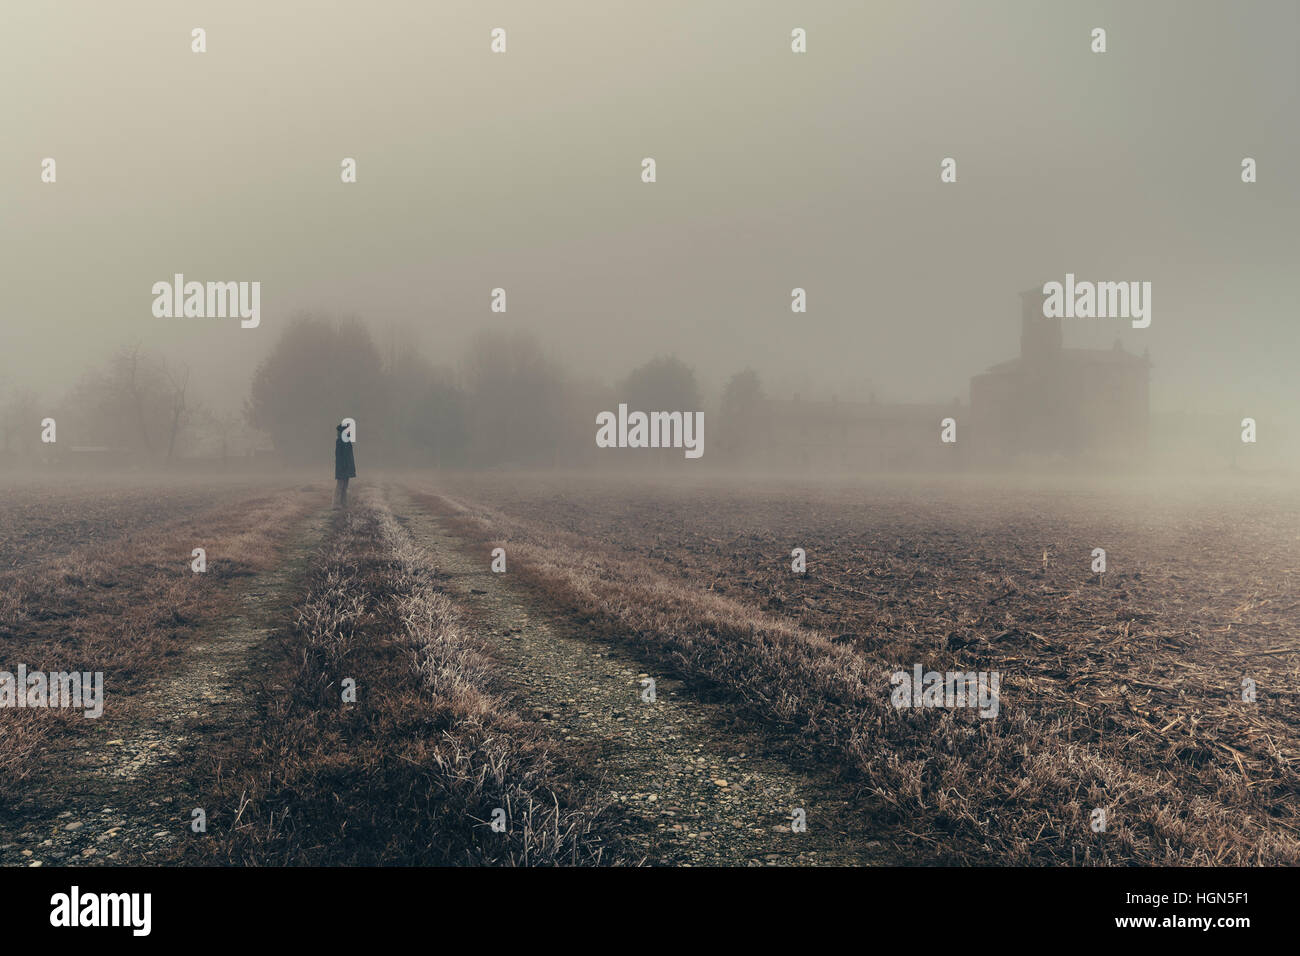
(412, 772)
(40, 521)
(126, 605)
(1018, 789)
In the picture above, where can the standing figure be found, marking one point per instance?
(345, 467)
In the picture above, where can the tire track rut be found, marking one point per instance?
(706, 789)
(114, 792)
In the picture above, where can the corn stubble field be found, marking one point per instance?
(228, 690)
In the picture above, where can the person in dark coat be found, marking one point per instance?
(345, 467)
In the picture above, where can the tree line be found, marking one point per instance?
(504, 403)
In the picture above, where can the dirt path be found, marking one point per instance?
(706, 788)
(112, 793)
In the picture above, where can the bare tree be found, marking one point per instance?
(178, 382)
(225, 425)
(130, 377)
(319, 372)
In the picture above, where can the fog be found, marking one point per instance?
(774, 171)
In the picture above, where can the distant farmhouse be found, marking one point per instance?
(1050, 403)
(1054, 402)
(862, 436)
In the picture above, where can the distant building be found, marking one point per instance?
(862, 436)
(1059, 402)
(1049, 403)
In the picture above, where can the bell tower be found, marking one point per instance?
(1040, 336)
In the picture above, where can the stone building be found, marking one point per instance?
(1053, 402)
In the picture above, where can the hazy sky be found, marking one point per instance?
(775, 170)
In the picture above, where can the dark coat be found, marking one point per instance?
(345, 466)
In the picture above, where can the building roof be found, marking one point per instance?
(843, 412)
(1081, 356)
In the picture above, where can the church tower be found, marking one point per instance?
(1040, 336)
